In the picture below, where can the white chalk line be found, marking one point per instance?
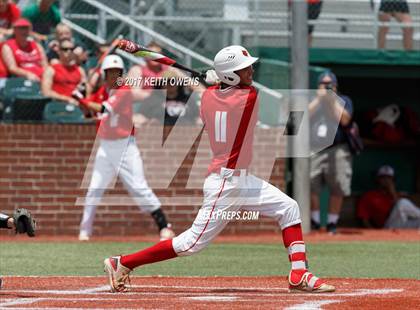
(250, 291)
(18, 301)
(312, 305)
(241, 295)
(67, 308)
(22, 301)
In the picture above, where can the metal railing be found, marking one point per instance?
(193, 24)
(188, 55)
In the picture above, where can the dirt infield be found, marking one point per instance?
(204, 293)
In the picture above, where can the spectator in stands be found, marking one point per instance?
(333, 165)
(384, 207)
(171, 109)
(63, 32)
(400, 10)
(314, 9)
(3, 70)
(23, 3)
(22, 55)
(9, 13)
(44, 15)
(61, 79)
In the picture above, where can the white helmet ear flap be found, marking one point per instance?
(229, 78)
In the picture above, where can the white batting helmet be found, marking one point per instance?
(231, 59)
(111, 62)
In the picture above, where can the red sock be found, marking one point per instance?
(293, 241)
(162, 250)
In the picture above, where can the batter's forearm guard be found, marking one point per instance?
(159, 218)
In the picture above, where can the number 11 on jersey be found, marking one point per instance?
(220, 126)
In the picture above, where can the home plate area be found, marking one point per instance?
(204, 293)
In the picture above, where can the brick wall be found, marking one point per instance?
(42, 168)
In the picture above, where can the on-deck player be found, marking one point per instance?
(230, 113)
(117, 152)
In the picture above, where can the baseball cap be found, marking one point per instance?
(385, 170)
(329, 74)
(22, 22)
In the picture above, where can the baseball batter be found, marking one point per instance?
(229, 111)
(117, 153)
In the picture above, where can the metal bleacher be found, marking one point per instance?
(205, 26)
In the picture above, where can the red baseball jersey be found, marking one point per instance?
(230, 116)
(117, 120)
(66, 78)
(28, 58)
(8, 17)
(375, 206)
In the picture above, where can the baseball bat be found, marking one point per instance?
(141, 51)
(111, 49)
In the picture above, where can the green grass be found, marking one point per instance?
(352, 259)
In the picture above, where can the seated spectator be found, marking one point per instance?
(172, 109)
(22, 55)
(384, 207)
(9, 13)
(61, 79)
(401, 12)
(3, 69)
(63, 32)
(393, 124)
(44, 15)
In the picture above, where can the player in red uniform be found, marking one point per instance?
(229, 112)
(118, 152)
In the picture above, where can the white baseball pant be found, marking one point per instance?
(117, 157)
(404, 214)
(224, 192)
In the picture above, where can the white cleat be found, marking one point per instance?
(309, 284)
(83, 236)
(118, 274)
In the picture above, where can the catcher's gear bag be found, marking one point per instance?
(24, 222)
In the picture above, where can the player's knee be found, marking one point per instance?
(293, 205)
(187, 247)
(292, 212)
(190, 251)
